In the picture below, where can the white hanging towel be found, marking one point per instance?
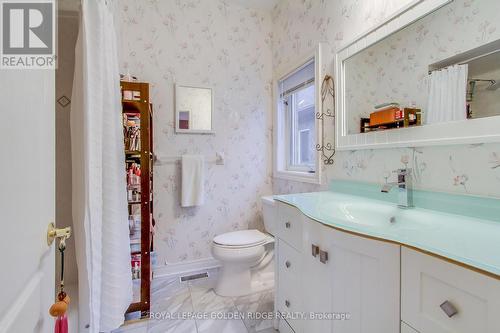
(447, 95)
(193, 181)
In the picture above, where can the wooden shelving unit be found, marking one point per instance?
(137, 117)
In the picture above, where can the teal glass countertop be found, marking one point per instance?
(465, 229)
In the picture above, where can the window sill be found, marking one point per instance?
(303, 177)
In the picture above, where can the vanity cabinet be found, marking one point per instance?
(441, 297)
(340, 282)
(348, 283)
(365, 284)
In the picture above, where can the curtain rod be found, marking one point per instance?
(465, 62)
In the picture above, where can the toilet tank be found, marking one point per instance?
(270, 214)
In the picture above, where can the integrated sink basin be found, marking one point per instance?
(460, 228)
(370, 214)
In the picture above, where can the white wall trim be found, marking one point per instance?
(184, 267)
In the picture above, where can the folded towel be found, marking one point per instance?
(192, 180)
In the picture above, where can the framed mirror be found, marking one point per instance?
(194, 108)
(429, 75)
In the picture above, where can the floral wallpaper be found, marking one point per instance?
(400, 62)
(298, 25)
(204, 43)
(238, 51)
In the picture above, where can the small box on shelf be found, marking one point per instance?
(391, 118)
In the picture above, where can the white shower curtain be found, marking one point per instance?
(99, 189)
(447, 95)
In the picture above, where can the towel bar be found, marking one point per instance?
(162, 160)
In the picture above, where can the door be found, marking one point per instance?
(317, 277)
(366, 284)
(441, 297)
(27, 200)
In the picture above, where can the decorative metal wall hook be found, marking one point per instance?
(327, 90)
(327, 151)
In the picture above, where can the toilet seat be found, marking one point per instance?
(242, 239)
(238, 252)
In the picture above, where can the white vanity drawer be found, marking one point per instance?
(289, 273)
(289, 262)
(289, 225)
(428, 282)
(289, 304)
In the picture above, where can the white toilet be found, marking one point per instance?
(240, 251)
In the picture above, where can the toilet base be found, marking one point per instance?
(234, 280)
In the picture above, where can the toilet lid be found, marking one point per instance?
(241, 238)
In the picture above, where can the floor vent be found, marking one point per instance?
(194, 277)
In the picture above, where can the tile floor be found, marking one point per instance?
(172, 299)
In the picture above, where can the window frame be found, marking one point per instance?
(281, 158)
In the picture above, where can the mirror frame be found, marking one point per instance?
(176, 116)
(470, 131)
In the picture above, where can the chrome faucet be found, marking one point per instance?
(405, 195)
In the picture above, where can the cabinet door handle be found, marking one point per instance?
(287, 264)
(314, 250)
(287, 225)
(449, 309)
(323, 256)
(287, 303)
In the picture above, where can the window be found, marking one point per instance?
(300, 120)
(296, 124)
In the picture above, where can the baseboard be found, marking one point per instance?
(185, 267)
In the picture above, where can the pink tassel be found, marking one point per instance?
(61, 324)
